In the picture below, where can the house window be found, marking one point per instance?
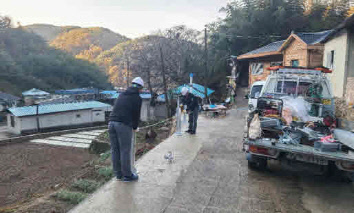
(12, 121)
(256, 68)
(78, 116)
(294, 63)
(330, 60)
(276, 63)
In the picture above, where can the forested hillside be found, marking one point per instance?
(87, 43)
(47, 31)
(27, 61)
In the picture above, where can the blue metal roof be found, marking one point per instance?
(54, 108)
(8, 97)
(34, 92)
(76, 91)
(108, 92)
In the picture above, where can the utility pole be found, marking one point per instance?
(128, 80)
(206, 64)
(164, 82)
(37, 118)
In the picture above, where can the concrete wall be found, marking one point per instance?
(160, 111)
(145, 108)
(349, 96)
(17, 128)
(338, 76)
(296, 50)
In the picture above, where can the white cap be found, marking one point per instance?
(138, 81)
(184, 91)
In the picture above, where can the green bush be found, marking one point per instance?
(87, 186)
(71, 197)
(105, 156)
(106, 172)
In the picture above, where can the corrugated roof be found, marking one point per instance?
(313, 38)
(35, 92)
(8, 97)
(76, 91)
(54, 108)
(268, 48)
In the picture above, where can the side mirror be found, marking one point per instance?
(246, 96)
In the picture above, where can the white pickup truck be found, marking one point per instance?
(296, 124)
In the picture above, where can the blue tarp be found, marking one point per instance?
(197, 90)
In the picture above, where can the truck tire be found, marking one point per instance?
(339, 175)
(258, 163)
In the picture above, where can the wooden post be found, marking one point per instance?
(164, 83)
(206, 64)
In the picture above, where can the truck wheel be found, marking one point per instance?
(339, 175)
(257, 163)
(348, 177)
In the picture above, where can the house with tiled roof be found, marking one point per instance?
(300, 49)
(304, 49)
(7, 100)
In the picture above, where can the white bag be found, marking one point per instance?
(255, 130)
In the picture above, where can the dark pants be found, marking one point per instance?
(120, 136)
(193, 118)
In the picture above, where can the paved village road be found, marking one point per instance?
(222, 182)
(210, 174)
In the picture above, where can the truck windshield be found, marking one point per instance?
(256, 90)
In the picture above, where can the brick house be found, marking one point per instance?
(339, 56)
(298, 50)
(304, 49)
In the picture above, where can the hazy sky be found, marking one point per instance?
(132, 18)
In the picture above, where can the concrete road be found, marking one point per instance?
(210, 174)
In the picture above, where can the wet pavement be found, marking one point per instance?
(210, 174)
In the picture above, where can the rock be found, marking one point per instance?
(164, 128)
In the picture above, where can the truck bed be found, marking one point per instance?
(301, 149)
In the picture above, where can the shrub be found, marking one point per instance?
(106, 172)
(87, 186)
(71, 197)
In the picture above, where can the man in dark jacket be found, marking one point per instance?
(123, 120)
(192, 109)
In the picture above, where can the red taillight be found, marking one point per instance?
(262, 151)
(347, 166)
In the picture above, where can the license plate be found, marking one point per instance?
(311, 159)
(326, 101)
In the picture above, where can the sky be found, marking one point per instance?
(132, 18)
